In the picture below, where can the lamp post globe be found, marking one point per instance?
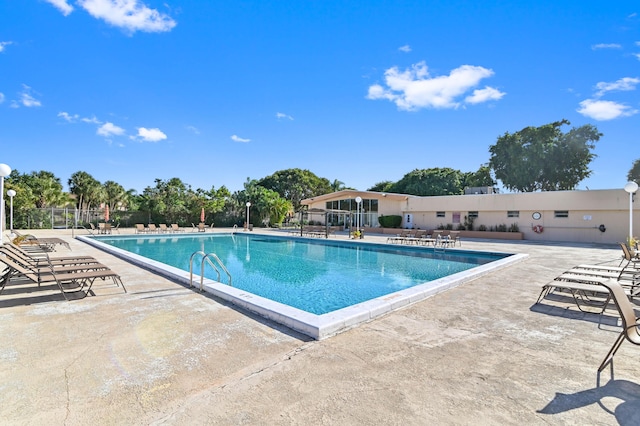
(4, 171)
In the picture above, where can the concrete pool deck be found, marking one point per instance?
(480, 353)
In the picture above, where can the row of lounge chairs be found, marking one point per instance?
(71, 274)
(596, 286)
(436, 238)
(153, 229)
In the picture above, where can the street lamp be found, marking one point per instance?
(358, 201)
(248, 205)
(631, 187)
(11, 193)
(4, 171)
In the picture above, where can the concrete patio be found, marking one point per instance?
(481, 353)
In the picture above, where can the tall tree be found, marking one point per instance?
(480, 178)
(86, 189)
(295, 185)
(435, 181)
(114, 193)
(47, 189)
(383, 186)
(634, 172)
(337, 185)
(544, 158)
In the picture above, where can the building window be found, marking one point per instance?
(439, 214)
(513, 213)
(473, 215)
(561, 213)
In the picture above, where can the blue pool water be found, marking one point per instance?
(316, 276)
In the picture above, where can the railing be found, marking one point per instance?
(207, 257)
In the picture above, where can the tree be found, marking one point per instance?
(337, 185)
(296, 185)
(87, 191)
(543, 158)
(634, 172)
(384, 186)
(479, 179)
(114, 193)
(46, 188)
(436, 181)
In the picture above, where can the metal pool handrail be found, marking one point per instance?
(207, 257)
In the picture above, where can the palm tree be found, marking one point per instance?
(337, 185)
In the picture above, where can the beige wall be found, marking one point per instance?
(587, 211)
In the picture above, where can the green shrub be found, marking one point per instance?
(482, 228)
(514, 227)
(390, 221)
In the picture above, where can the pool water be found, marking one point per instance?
(316, 276)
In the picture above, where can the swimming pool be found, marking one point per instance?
(308, 284)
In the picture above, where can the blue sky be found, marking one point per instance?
(217, 92)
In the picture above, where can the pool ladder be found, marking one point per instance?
(208, 258)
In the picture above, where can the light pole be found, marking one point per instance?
(631, 187)
(358, 201)
(248, 205)
(11, 193)
(4, 171)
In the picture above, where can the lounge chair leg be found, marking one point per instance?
(612, 352)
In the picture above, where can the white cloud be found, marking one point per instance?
(68, 117)
(406, 48)
(604, 110)
(92, 120)
(193, 129)
(109, 129)
(3, 44)
(414, 88)
(606, 46)
(27, 99)
(151, 135)
(637, 55)
(1, 97)
(131, 15)
(62, 6)
(484, 95)
(281, 115)
(236, 138)
(623, 85)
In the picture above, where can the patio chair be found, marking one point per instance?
(416, 238)
(630, 326)
(152, 228)
(48, 244)
(26, 258)
(455, 238)
(585, 290)
(631, 258)
(176, 228)
(79, 279)
(202, 227)
(22, 267)
(399, 238)
(140, 229)
(43, 255)
(163, 227)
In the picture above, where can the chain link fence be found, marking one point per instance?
(57, 218)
